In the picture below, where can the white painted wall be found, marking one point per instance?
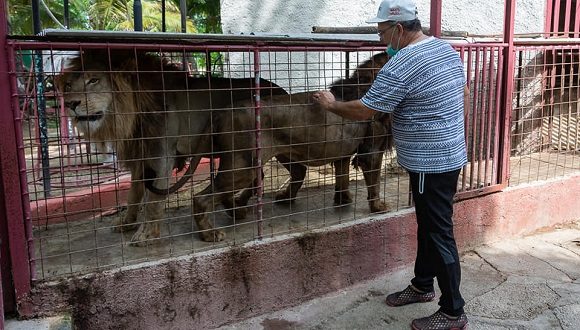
(482, 17)
(298, 16)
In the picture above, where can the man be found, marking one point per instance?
(423, 86)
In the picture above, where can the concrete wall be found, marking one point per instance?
(298, 16)
(209, 289)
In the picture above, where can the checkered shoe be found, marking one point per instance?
(408, 296)
(440, 321)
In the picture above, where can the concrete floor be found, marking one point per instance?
(524, 283)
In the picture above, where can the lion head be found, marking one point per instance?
(356, 86)
(110, 94)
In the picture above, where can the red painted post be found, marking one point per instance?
(548, 19)
(435, 20)
(10, 175)
(567, 18)
(259, 169)
(506, 97)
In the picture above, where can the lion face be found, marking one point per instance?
(89, 99)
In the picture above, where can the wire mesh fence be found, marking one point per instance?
(135, 153)
(545, 129)
(108, 158)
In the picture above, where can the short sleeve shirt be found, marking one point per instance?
(422, 86)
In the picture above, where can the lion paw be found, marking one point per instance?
(212, 235)
(377, 206)
(123, 224)
(144, 236)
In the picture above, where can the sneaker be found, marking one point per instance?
(409, 296)
(440, 321)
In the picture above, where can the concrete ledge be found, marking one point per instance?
(222, 286)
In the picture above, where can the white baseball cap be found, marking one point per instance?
(395, 11)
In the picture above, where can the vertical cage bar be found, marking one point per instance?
(556, 18)
(470, 110)
(259, 169)
(482, 116)
(12, 174)
(489, 122)
(42, 128)
(474, 115)
(163, 23)
(183, 14)
(567, 18)
(497, 129)
(577, 20)
(137, 16)
(548, 19)
(507, 87)
(66, 14)
(435, 20)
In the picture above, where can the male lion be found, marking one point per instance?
(156, 116)
(299, 134)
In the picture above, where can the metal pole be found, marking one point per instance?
(183, 11)
(41, 103)
(66, 15)
(435, 28)
(14, 223)
(137, 15)
(42, 128)
(508, 85)
(36, 16)
(259, 169)
(163, 27)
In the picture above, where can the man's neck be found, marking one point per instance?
(414, 37)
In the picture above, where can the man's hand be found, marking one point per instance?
(353, 110)
(323, 98)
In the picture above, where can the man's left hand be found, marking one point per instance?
(323, 98)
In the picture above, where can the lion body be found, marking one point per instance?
(299, 133)
(155, 116)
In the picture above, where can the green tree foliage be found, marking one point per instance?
(205, 14)
(114, 15)
(20, 15)
(118, 15)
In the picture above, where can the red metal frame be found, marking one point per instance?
(506, 98)
(16, 217)
(15, 198)
(552, 19)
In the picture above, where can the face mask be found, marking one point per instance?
(391, 51)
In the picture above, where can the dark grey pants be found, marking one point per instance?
(436, 249)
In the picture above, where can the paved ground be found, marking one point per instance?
(527, 283)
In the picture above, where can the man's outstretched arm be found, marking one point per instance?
(354, 110)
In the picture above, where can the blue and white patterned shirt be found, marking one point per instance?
(422, 85)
